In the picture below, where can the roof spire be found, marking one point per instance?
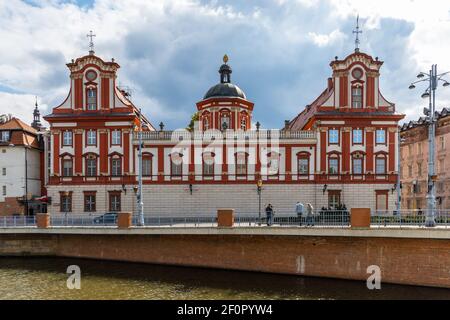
(357, 32)
(225, 71)
(91, 42)
(36, 124)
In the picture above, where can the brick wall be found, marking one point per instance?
(10, 206)
(402, 260)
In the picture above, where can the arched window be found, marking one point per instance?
(303, 163)
(91, 98)
(273, 163)
(357, 163)
(116, 165)
(333, 164)
(208, 164)
(380, 164)
(147, 162)
(176, 164)
(225, 121)
(241, 163)
(91, 165)
(357, 97)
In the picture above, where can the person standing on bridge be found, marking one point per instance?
(299, 208)
(309, 215)
(269, 214)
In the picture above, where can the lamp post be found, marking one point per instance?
(399, 170)
(259, 189)
(140, 200)
(432, 77)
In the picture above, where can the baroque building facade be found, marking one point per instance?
(414, 162)
(341, 149)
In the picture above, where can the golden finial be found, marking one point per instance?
(225, 58)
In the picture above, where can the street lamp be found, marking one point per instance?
(139, 195)
(259, 189)
(432, 78)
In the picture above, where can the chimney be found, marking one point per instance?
(330, 84)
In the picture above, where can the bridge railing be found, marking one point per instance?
(409, 218)
(17, 221)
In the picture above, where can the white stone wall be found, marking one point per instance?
(207, 198)
(14, 180)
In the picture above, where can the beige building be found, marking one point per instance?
(414, 162)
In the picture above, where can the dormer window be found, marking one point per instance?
(357, 97)
(92, 99)
(4, 137)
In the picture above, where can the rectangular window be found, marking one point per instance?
(114, 202)
(116, 137)
(89, 203)
(357, 136)
(303, 166)
(334, 199)
(380, 166)
(333, 136)
(419, 169)
(357, 165)
(333, 165)
(66, 203)
(4, 171)
(4, 190)
(91, 138)
(382, 199)
(67, 138)
(4, 137)
(357, 97)
(92, 99)
(442, 143)
(67, 168)
(91, 167)
(381, 136)
(146, 167)
(116, 167)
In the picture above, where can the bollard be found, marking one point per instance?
(225, 218)
(124, 220)
(43, 220)
(360, 218)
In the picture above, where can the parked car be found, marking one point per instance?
(107, 218)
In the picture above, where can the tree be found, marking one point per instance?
(194, 118)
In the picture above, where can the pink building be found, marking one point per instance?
(414, 162)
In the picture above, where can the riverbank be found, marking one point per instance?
(45, 278)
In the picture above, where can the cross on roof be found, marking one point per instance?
(91, 42)
(357, 32)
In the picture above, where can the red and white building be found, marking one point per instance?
(341, 149)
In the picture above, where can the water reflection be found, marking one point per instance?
(45, 278)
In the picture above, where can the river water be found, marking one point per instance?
(46, 278)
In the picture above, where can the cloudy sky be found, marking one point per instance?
(170, 50)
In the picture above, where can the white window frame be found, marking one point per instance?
(91, 138)
(357, 136)
(333, 136)
(67, 137)
(116, 138)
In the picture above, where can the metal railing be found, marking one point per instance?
(80, 220)
(408, 218)
(17, 221)
(318, 218)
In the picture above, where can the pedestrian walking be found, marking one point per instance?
(269, 214)
(309, 215)
(299, 210)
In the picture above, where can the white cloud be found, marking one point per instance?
(323, 40)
